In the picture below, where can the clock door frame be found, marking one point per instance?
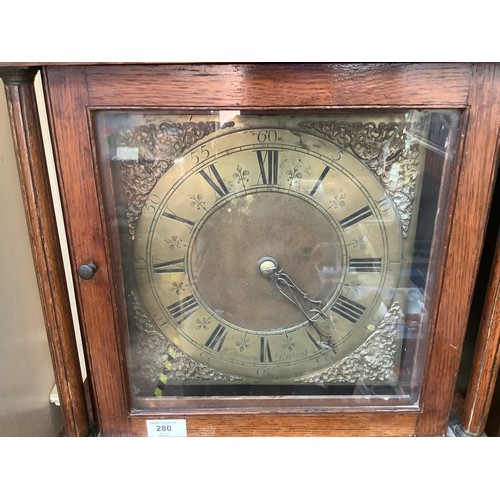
(72, 92)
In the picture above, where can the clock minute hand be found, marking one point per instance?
(268, 266)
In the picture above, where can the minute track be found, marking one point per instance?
(241, 198)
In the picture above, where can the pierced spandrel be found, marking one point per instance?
(156, 359)
(158, 146)
(373, 361)
(390, 150)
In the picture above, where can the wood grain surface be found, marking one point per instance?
(368, 424)
(486, 360)
(280, 85)
(74, 157)
(467, 226)
(47, 257)
(73, 92)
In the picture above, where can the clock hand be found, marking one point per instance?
(268, 266)
(280, 278)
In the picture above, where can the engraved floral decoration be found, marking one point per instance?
(203, 323)
(155, 360)
(175, 242)
(158, 146)
(241, 176)
(357, 291)
(197, 201)
(178, 288)
(390, 150)
(242, 344)
(360, 242)
(294, 175)
(373, 361)
(337, 200)
(288, 344)
(295, 172)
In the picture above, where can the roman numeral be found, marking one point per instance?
(348, 309)
(177, 218)
(265, 351)
(365, 265)
(171, 266)
(356, 217)
(319, 181)
(217, 338)
(182, 309)
(216, 182)
(270, 174)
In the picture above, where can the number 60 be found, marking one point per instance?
(267, 136)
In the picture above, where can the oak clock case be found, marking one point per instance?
(274, 254)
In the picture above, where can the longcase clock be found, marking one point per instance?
(273, 249)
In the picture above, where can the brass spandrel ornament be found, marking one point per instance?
(155, 147)
(390, 150)
(371, 362)
(158, 361)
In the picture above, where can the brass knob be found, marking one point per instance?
(87, 271)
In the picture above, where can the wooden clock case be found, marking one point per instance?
(74, 91)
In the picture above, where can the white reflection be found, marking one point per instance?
(227, 115)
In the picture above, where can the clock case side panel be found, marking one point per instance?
(466, 227)
(24, 115)
(67, 100)
(118, 409)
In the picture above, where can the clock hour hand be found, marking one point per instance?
(268, 266)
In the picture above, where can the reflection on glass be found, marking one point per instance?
(275, 254)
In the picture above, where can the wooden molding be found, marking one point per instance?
(486, 361)
(477, 174)
(47, 257)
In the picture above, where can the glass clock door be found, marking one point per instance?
(263, 254)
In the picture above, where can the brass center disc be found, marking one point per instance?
(227, 245)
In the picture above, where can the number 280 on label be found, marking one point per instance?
(166, 428)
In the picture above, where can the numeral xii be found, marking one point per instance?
(268, 165)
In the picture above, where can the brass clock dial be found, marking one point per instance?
(268, 252)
